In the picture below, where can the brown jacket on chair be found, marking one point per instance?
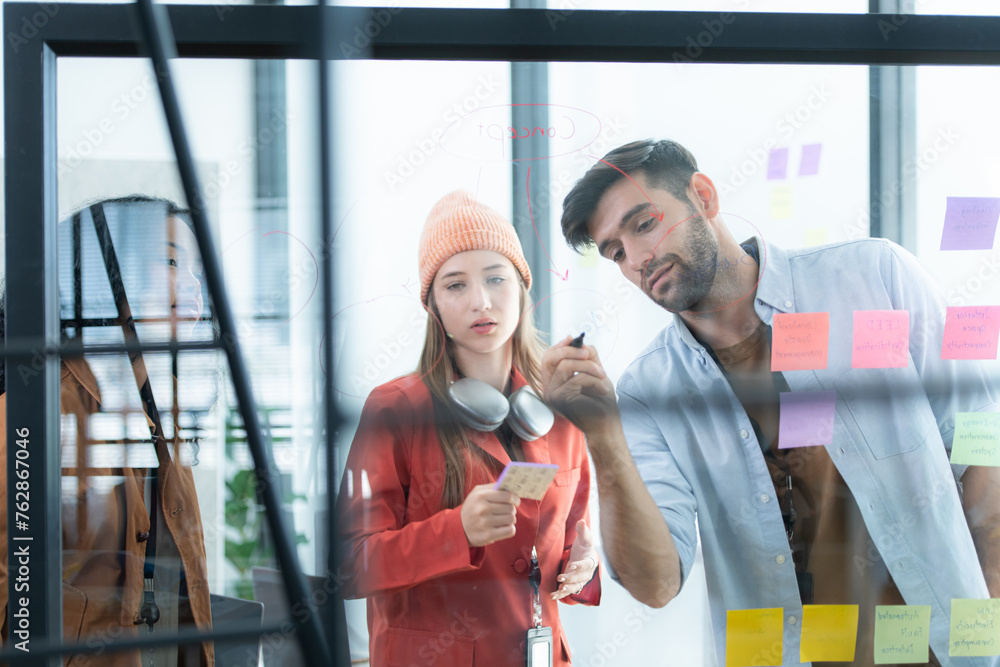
(104, 547)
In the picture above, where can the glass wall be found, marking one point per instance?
(787, 148)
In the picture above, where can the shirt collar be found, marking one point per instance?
(775, 289)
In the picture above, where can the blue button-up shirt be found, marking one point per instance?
(696, 450)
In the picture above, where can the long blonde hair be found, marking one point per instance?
(437, 364)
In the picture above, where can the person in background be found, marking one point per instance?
(114, 515)
(877, 517)
(444, 558)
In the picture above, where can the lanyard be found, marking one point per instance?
(535, 580)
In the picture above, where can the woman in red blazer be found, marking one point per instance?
(443, 558)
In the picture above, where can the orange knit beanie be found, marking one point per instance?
(458, 223)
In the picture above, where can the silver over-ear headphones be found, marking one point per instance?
(483, 408)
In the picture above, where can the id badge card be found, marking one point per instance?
(539, 647)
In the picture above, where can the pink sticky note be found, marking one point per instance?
(970, 223)
(881, 339)
(799, 341)
(806, 418)
(971, 332)
(809, 164)
(777, 164)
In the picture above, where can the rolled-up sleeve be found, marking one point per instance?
(661, 475)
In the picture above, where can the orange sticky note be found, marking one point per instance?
(829, 632)
(881, 339)
(754, 637)
(971, 332)
(799, 341)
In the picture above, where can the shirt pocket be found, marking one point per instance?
(886, 409)
(569, 477)
(405, 647)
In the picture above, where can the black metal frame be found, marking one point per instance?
(272, 32)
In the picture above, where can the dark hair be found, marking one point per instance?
(666, 164)
(171, 210)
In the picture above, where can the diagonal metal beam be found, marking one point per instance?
(158, 38)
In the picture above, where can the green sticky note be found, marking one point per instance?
(829, 632)
(588, 259)
(975, 628)
(901, 634)
(816, 236)
(977, 439)
(754, 637)
(781, 202)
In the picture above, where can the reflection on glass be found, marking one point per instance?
(133, 541)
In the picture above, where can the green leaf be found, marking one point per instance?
(243, 485)
(240, 553)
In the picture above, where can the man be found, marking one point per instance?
(874, 518)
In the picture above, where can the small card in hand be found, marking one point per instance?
(527, 480)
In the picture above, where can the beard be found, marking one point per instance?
(691, 278)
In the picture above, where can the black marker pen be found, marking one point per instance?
(578, 341)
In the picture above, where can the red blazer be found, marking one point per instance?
(433, 599)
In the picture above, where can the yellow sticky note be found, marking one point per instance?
(901, 634)
(816, 236)
(754, 637)
(829, 632)
(975, 628)
(588, 259)
(781, 202)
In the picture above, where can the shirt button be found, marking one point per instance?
(764, 498)
(780, 559)
(792, 620)
(744, 433)
(520, 566)
(788, 304)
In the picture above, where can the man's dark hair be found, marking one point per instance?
(666, 164)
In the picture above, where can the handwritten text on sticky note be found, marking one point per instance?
(754, 637)
(799, 341)
(971, 332)
(901, 634)
(977, 439)
(975, 628)
(970, 223)
(829, 632)
(881, 339)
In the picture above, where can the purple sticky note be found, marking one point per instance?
(806, 418)
(777, 164)
(970, 223)
(809, 164)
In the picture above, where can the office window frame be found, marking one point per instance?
(268, 32)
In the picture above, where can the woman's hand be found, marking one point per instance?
(581, 566)
(489, 515)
